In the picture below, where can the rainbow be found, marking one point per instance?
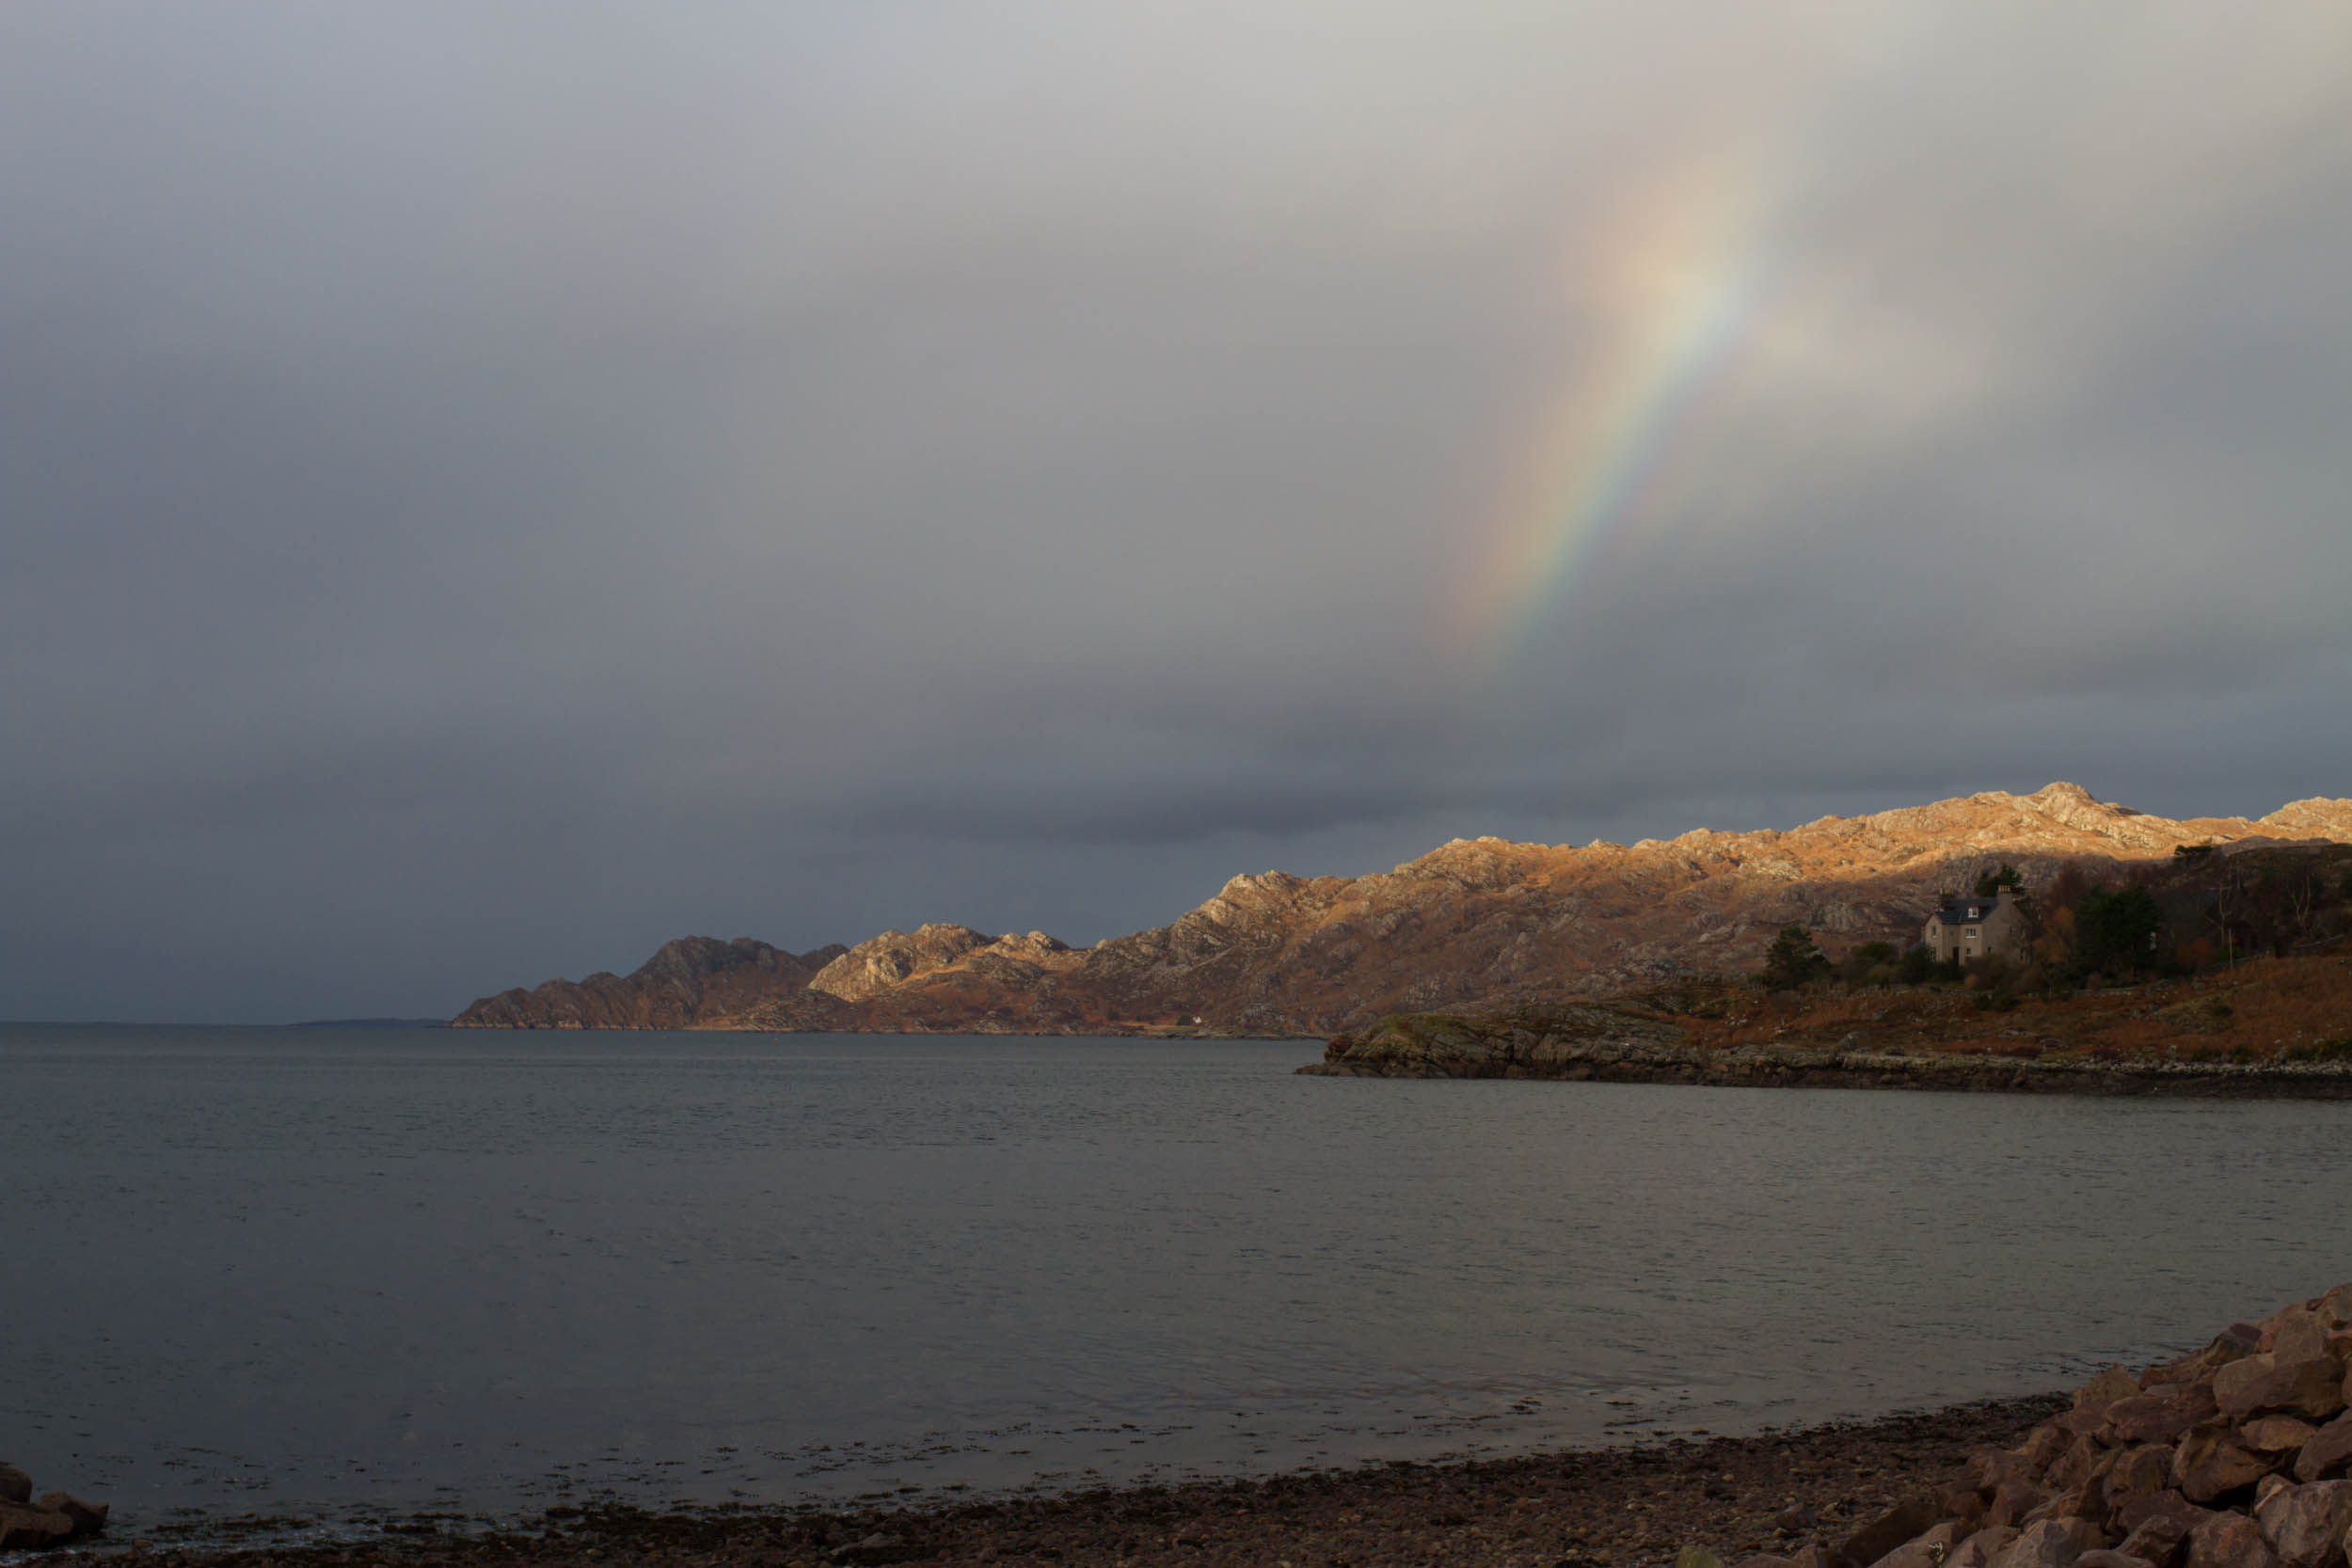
(1681, 279)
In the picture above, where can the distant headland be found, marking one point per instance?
(1479, 927)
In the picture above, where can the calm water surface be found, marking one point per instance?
(341, 1273)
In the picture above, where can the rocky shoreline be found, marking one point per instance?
(52, 1519)
(1627, 1507)
(2238, 1455)
(1609, 1045)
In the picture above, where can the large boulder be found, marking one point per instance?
(2230, 1541)
(24, 1525)
(2329, 1451)
(2112, 1385)
(1890, 1529)
(2305, 1525)
(1930, 1550)
(2161, 1541)
(2161, 1414)
(2051, 1543)
(2233, 1343)
(2276, 1434)
(2137, 1472)
(2297, 1335)
(1979, 1549)
(15, 1485)
(2310, 1386)
(89, 1518)
(2168, 1504)
(2211, 1463)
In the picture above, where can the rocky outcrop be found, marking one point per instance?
(1474, 924)
(52, 1519)
(2237, 1456)
(890, 960)
(687, 983)
(1625, 1043)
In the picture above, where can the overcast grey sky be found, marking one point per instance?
(485, 487)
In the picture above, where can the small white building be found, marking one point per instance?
(1969, 928)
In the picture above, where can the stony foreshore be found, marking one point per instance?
(2238, 1455)
(1609, 1508)
(1601, 1044)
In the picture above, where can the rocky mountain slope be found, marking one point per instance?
(1474, 924)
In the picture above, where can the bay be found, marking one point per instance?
(338, 1274)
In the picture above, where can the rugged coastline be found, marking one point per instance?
(1479, 925)
(1519, 1047)
(2275, 1028)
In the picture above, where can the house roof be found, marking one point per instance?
(1967, 911)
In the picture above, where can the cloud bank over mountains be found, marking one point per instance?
(492, 488)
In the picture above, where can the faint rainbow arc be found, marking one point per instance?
(1581, 477)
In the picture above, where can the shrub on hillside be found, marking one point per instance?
(1792, 960)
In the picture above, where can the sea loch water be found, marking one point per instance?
(341, 1275)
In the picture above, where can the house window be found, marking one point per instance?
(1974, 932)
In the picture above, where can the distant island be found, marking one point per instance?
(1480, 927)
(371, 1023)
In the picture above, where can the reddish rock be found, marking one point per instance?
(2305, 1525)
(2329, 1451)
(2162, 1505)
(2105, 1558)
(1815, 1555)
(2236, 1386)
(1890, 1529)
(2335, 1307)
(2313, 1387)
(2051, 1543)
(2276, 1434)
(2161, 1541)
(2079, 1501)
(1929, 1550)
(2211, 1462)
(24, 1525)
(2137, 1472)
(2112, 1385)
(2160, 1418)
(1990, 1469)
(1765, 1559)
(2230, 1541)
(2013, 1501)
(2074, 1466)
(2085, 1419)
(2297, 1335)
(1979, 1549)
(89, 1518)
(15, 1485)
(2042, 1450)
(2233, 1343)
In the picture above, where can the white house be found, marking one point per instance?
(1971, 928)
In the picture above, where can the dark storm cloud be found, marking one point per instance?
(490, 487)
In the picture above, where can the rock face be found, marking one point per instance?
(690, 981)
(1476, 924)
(2117, 1481)
(54, 1518)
